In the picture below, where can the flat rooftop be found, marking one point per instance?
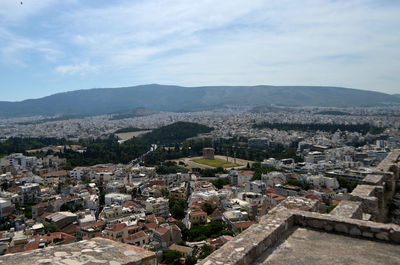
(306, 246)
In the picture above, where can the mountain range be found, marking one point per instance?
(177, 98)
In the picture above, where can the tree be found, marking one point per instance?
(4, 186)
(51, 228)
(164, 192)
(68, 166)
(66, 207)
(134, 192)
(171, 257)
(190, 261)
(28, 211)
(205, 251)
(220, 182)
(178, 211)
(207, 208)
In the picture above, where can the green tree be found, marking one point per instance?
(205, 251)
(28, 211)
(50, 228)
(208, 208)
(219, 183)
(178, 211)
(171, 257)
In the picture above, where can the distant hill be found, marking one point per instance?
(396, 95)
(175, 98)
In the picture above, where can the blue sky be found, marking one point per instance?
(50, 46)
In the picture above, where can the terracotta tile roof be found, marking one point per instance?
(160, 219)
(327, 190)
(151, 218)
(162, 230)
(59, 173)
(150, 226)
(197, 213)
(128, 203)
(40, 205)
(246, 173)
(175, 227)
(216, 213)
(137, 235)
(116, 227)
(242, 225)
(70, 229)
(94, 224)
(173, 220)
(98, 169)
(276, 197)
(45, 214)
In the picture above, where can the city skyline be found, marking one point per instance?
(49, 47)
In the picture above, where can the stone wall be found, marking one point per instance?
(371, 197)
(280, 222)
(375, 192)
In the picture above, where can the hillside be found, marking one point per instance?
(175, 98)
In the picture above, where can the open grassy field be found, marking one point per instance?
(130, 135)
(215, 162)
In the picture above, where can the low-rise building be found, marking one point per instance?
(178, 193)
(6, 207)
(256, 186)
(61, 219)
(158, 206)
(30, 192)
(117, 198)
(139, 239)
(198, 217)
(167, 235)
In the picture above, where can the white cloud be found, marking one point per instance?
(75, 69)
(350, 43)
(14, 48)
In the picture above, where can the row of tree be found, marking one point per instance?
(327, 127)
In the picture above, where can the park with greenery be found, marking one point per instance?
(215, 162)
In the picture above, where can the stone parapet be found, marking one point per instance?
(300, 203)
(257, 240)
(349, 226)
(250, 244)
(348, 209)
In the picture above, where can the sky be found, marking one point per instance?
(51, 46)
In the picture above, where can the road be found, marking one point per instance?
(135, 162)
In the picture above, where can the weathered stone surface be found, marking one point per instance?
(382, 236)
(94, 251)
(355, 231)
(369, 199)
(300, 203)
(305, 246)
(373, 179)
(349, 209)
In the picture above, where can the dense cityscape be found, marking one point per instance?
(187, 189)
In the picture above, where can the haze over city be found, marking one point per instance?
(52, 46)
